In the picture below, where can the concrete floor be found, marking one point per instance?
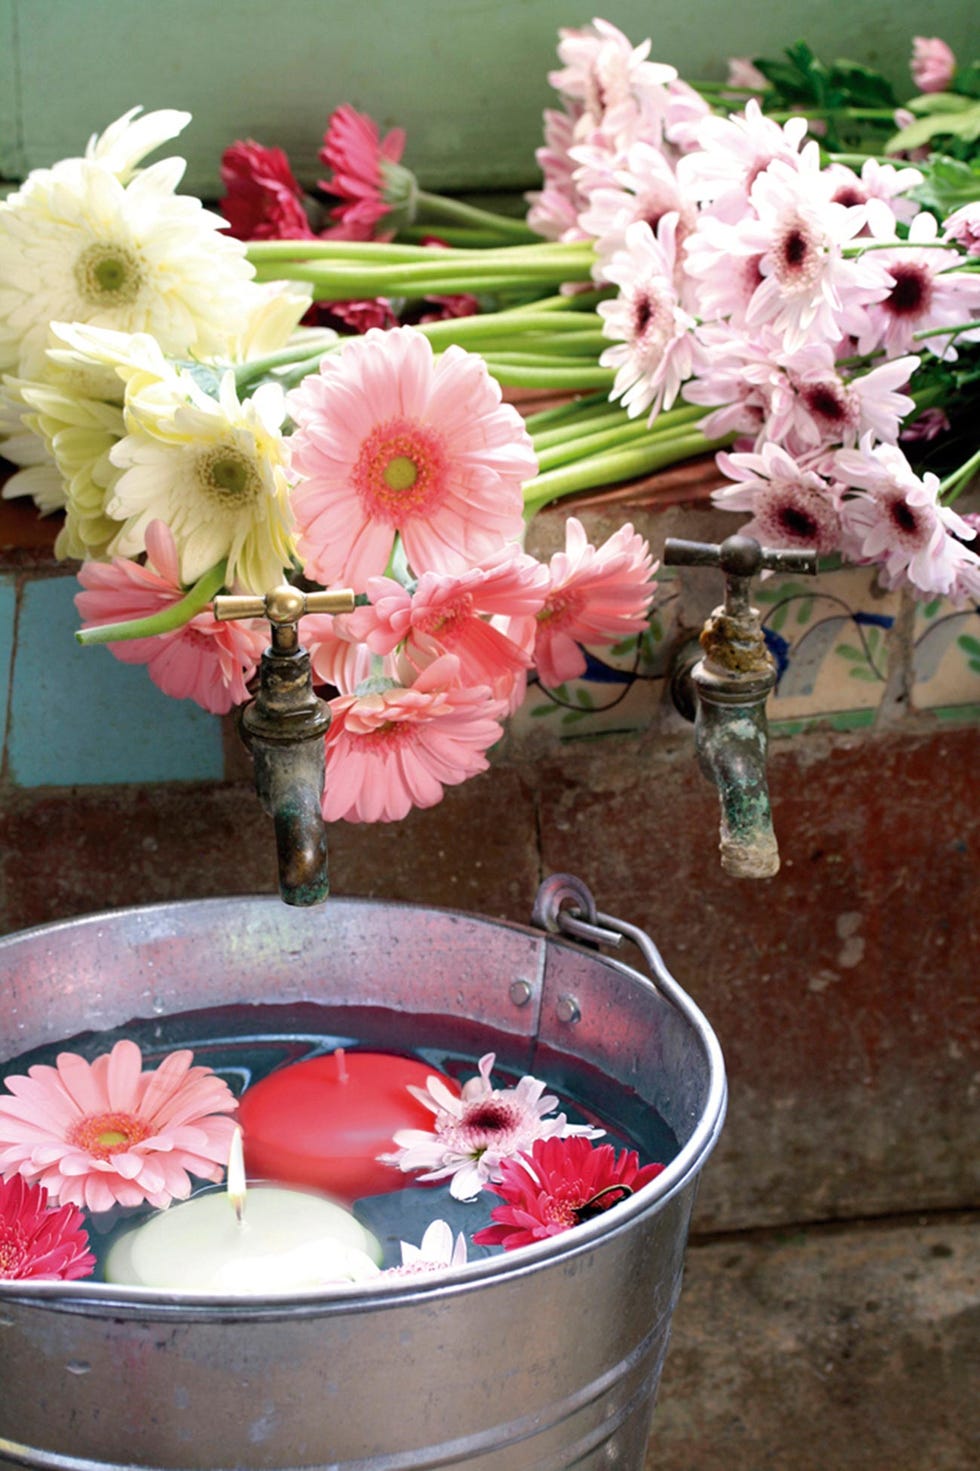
(852, 1347)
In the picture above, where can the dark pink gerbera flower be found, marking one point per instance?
(559, 1184)
(368, 180)
(37, 1240)
(264, 201)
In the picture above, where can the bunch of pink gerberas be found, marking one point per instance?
(81, 1136)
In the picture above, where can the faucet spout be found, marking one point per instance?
(283, 728)
(725, 692)
(731, 741)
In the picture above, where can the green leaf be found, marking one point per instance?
(860, 86)
(965, 125)
(541, 710)
(868, 675)
(848, 651)
(584, 697)
(968, 644)
(805, 611)
(929, 102)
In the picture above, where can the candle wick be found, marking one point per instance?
(342, 1073)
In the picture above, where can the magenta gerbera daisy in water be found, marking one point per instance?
(475, 1132)
(392, 441)
(39, 1241)
(105, 1133)
(558, 1184)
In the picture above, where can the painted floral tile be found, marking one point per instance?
(622, 687)
(946, 660)
(829, 637)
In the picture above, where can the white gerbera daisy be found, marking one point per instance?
(214, 470)
(79, 244)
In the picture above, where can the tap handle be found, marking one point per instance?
(284, 606)
(740, 558)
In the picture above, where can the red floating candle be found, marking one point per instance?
(322, 1123)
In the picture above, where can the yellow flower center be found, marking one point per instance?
(400, 473)
(104, 1134)
(228, 476)
(109, 275)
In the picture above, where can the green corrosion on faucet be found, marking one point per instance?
(731, 683)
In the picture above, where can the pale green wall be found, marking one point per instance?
(467, 78)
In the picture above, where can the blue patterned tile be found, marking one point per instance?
(80, 717)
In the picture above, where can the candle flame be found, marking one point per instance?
(342, 1073)
(236, 1176)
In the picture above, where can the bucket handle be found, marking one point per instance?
(564, 905)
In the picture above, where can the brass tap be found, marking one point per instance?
(283, 728)
(731, 682)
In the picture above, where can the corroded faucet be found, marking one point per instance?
(731, 683)
(283, 727)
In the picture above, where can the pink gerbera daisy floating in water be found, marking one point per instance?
(474, 1133)
(39, 1241)
(392, 441)
(558, 1184)
(105, 1133)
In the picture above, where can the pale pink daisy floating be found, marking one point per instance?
(392, 441)
(105, 1133)
(598, 596)
(474, 1133)
(204, 660)
(437, 1250)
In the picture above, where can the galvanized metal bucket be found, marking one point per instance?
(543, 1359)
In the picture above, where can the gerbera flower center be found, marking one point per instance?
(828, 403)
(105, 1134)
(909, 527)
(912, 293)
(797, 256)
(13, 1249)
(109, 275)
(227, 476)
(401, 470)
(445, 621)
(561, 609)
(798, 516)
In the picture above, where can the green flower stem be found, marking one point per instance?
(304, 353)
(580, 301)
(452, 235)
(506, 327)
(956, 483)
(565, 378)
(635, 431)
(437, 207)
(378, 252)
(616, 466)
(577, 408)
(350, 282)
(167, 620)
(590, 444)
(592, 421)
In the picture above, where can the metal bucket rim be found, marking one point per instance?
(84, 1296)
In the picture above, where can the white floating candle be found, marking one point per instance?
(263, 1240)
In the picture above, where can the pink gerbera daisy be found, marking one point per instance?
(598, 596)
(559, 1184)
(792, 505)
(367, 177)
(205, 661)
(39, 1241)
(393, 441)
(473, 1133)
(453, 615)
(394, 747)
(101, 1133)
